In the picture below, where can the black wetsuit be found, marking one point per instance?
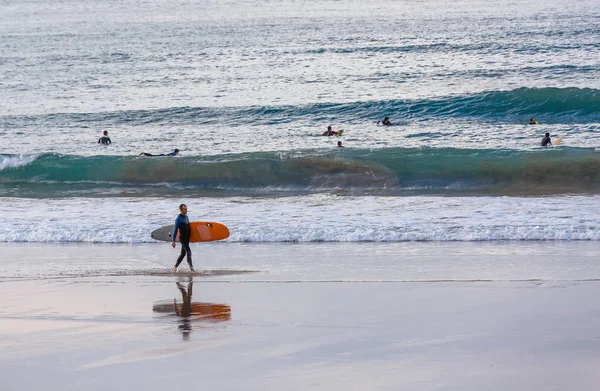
(182, 224)
(546, 141)
(104, 140)
(162, 154)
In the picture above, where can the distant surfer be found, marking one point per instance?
(182, 225)
(386, 121)
(340, 144)
(330, 132)
(546, 140)
(105, 140)
(532, 121)
(174, 153)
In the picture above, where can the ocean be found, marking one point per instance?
(245, 90)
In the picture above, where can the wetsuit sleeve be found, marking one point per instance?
(177, 222)
(99, 140)
(110, 142)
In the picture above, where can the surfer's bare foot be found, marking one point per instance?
(174, 269)
(192, 270)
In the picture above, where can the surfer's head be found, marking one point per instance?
(176, 151)
(183, 209)
(547, 134)
(329, 128)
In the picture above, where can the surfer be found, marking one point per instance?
(174, 153)
(546, 140)
(532, 121)
(105, 140)
(330, 132)
(386, 121)
(182, 224)
(340, 144)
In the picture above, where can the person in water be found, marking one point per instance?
(174, 153)
(340, 144)
(182, 225)
(546, 140)
(386, 121)
(532, 121)
(330, 132)
(105, 140)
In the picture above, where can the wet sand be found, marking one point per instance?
(441, 316)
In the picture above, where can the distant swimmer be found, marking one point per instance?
(174, 153)
(182, 224)
(546, 140)
(330, 132)
(340, 144)
(104, 139)
(532, 121)
(386, 121)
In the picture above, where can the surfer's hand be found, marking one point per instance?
(173, 244)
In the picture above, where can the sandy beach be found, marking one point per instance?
(435, 316)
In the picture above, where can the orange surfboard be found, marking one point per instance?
(204, 311)
(202, 231)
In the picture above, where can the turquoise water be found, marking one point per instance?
(352, 171)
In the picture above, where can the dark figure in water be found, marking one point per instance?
(546, 140)
(105, 140)
(386, 121)
(340, 144)
(532, 121)
(330, 132)
(174, 153)
(182, 225)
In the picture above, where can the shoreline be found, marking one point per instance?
(301, 316)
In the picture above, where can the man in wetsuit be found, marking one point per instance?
(174, 153)
(330, 132)
(182, 225)
(105, 140)
(532, 121)
(546, 140)
(386, 121)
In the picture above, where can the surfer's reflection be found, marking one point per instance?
(189, 312)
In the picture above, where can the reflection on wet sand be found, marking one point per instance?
(189, 312)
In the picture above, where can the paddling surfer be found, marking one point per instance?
(182, 225)
(174, 153)
(386, 121)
